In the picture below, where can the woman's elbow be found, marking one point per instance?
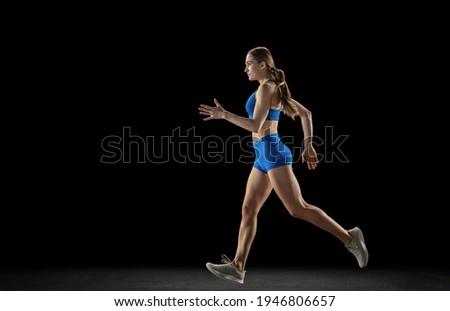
(257, 127)
(306, 114)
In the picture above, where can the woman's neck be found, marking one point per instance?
(264, 80)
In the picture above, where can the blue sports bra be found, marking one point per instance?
(274, 114)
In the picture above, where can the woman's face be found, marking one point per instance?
(252, 68)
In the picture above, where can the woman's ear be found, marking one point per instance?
(263, 65)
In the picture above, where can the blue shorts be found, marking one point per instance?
(270, 153)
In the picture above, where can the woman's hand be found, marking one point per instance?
(213, 112)
(310, 156)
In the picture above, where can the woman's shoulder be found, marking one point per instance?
(268, 88)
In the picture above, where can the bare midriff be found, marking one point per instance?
(269, 127)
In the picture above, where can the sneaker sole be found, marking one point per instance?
(363, 244)
(224, 276)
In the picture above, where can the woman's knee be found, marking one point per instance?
(249, 209)
(298, 209)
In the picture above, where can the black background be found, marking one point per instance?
(358, 73)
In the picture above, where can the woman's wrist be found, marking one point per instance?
(225, 115)
(307, 143)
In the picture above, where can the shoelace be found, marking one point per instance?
(353, 249)
(225, 259)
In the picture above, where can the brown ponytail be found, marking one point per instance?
(288, 106)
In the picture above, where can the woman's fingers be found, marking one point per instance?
(206, 111)
(310, 161)
(213, 112)
(311, 165)
(216, 102)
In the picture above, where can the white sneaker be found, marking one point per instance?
(227, 270)
(358, 247)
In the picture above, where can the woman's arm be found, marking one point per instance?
(259, 115)
(306, 118)
(309, 154)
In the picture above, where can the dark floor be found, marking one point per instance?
(200, 279)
